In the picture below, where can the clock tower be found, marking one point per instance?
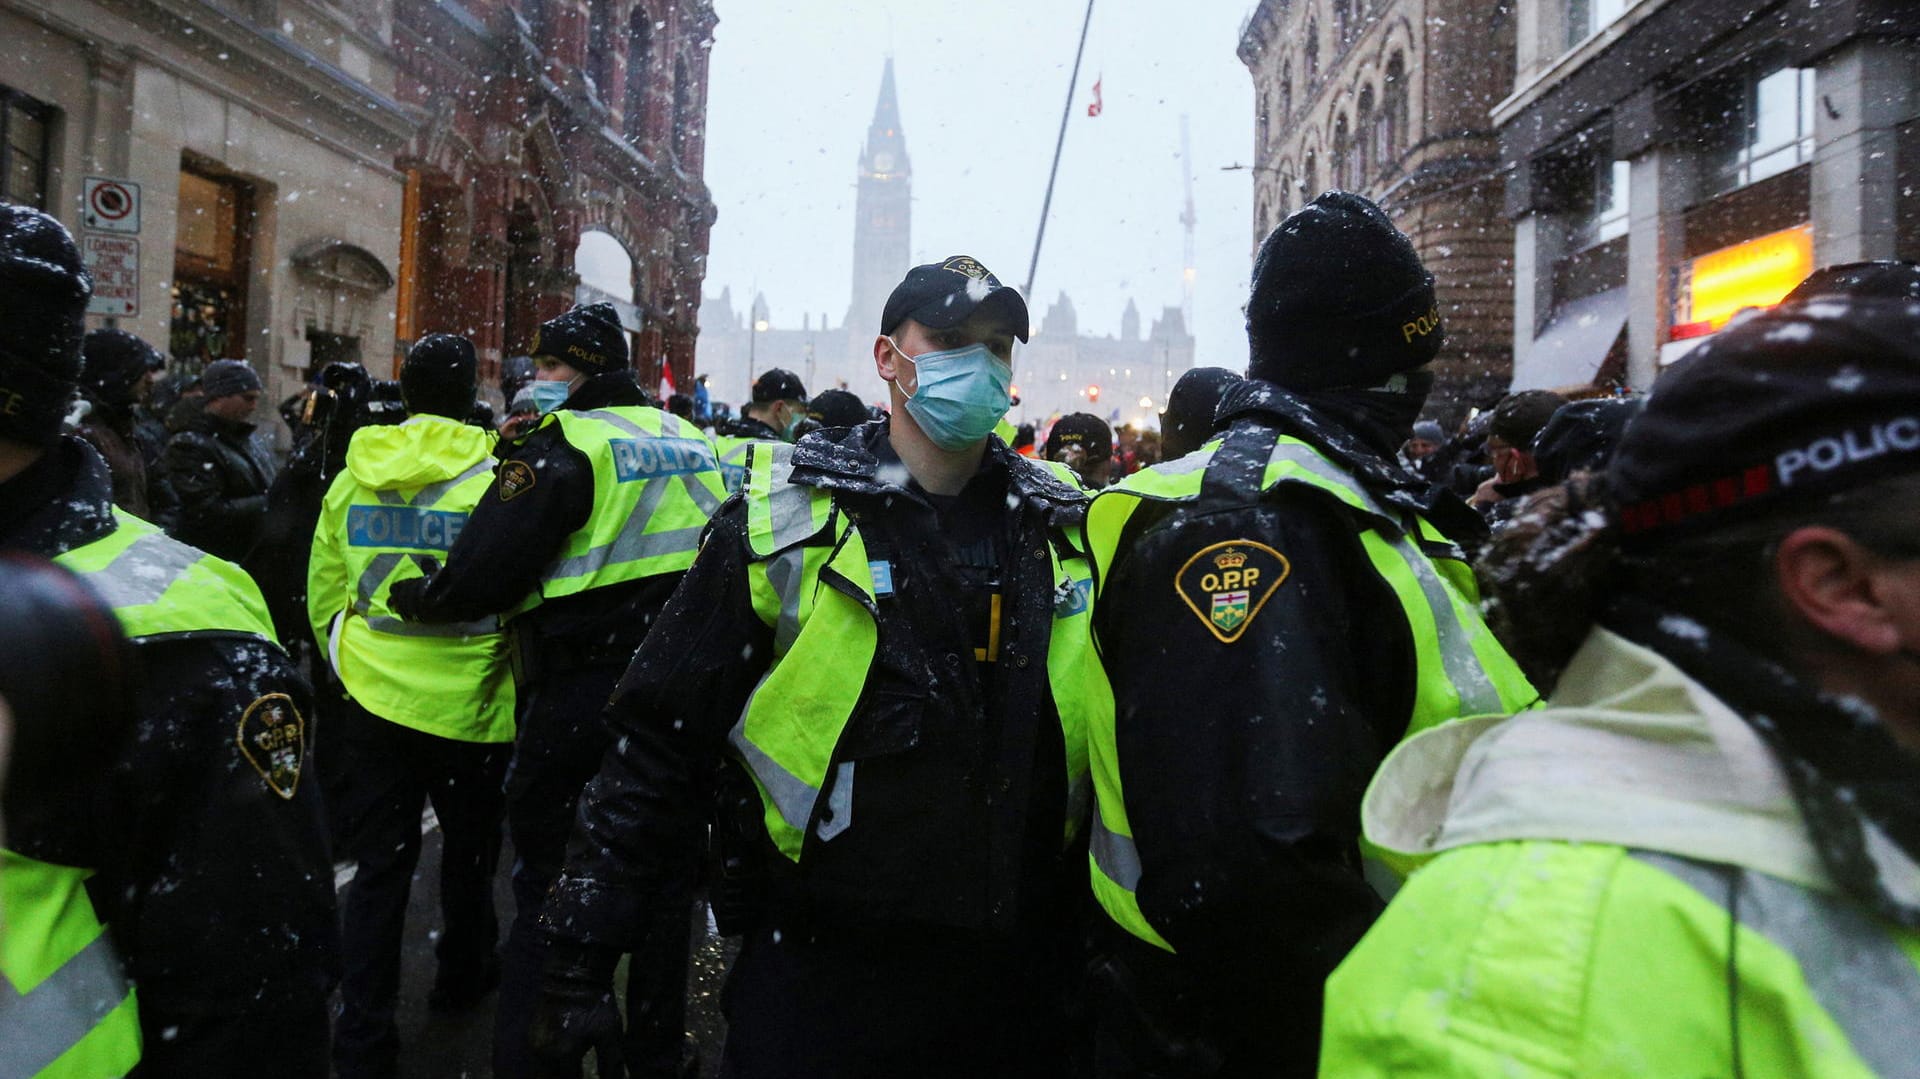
(881, 211)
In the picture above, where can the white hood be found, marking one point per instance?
(1628, 751)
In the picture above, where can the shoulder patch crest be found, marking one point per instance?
(516, 479)
(273, 738)
(1226, 584)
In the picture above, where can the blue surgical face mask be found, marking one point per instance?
(549, 394)
(959, 394)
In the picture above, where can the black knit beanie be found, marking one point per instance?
(438, 376)
(1340, 299)
(224, 378)
(113, 362)
(588, 338)
(43, 303)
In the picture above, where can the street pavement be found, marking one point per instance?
(439, 1045)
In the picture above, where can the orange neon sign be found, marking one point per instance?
(1758, 273)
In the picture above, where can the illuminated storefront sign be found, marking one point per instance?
(1757, 273)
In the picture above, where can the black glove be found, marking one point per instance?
(405, 597)
(575, 1012)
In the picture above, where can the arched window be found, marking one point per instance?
(1363, 139)
(1286, 89)
(1313, 51)
(1310, 178)
(1342, 157)
(683, 120)
(639, 71)
(599, 64)
(1393, 110)
(1342, 20)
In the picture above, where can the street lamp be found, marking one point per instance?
(753, 339)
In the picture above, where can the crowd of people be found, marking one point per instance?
(1307, 737)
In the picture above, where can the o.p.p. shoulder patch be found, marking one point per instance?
(273, 738)
(516, 479)
(1226, 584)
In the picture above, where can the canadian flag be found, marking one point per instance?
(666, 380)
(1094, 109)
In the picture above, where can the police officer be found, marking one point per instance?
(429, 708)
(1275, 612)
(884, 644)
(588, 525)
(1702, 857)
(204, 854)
(775, 414)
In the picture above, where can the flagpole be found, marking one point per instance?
(1073, 83)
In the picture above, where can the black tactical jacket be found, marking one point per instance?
(218, 890)
(960, 812)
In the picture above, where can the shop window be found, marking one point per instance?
(1762, 127)
(24, 125)
(1586, 18)
(210, 261)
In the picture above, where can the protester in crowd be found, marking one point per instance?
(1582, 436)
(1516, 421)
(1274, 612)
(198, 849)
(590, 523)
(1700, 858)
(680, 405)
(887, 634)
(702, 401)
(1427, 437)
(1188, 422)
(218, 470)
(1084, 444)
(115, 378)
(427, 710)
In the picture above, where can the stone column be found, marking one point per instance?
(1861, 93)
(1661, 187)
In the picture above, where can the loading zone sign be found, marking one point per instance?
(114, 262)
(111, 205)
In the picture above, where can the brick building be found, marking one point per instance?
(540, 122)
(1391, 98)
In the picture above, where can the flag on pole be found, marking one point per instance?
(666, 380)
(1094, 109)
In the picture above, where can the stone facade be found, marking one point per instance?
(1391, 98)
(327, 180)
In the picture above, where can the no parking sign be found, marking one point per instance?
(111, 205)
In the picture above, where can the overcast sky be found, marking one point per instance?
(981, 85)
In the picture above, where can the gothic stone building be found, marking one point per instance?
(1390, 98)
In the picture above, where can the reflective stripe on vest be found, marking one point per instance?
(378, 571)
(655, 484)
(1461, 668)
(819, 600)
(66, 1008)
(1854, 968)
(157, 585)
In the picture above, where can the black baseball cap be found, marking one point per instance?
(778, 384)
(942, 295)
(1083, 429)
